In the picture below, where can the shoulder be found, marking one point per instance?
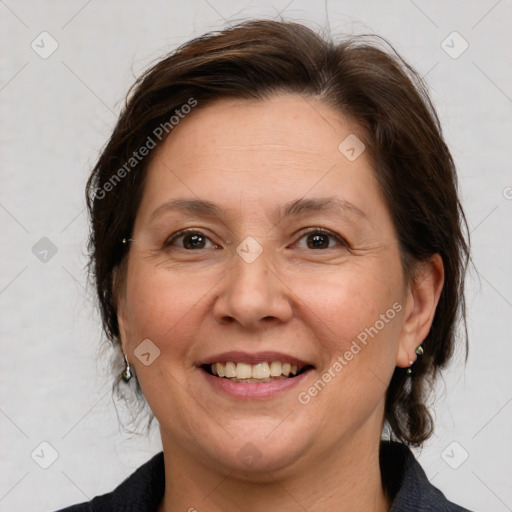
(140, 492)
(408, 485)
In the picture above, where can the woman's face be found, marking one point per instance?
(294, 259)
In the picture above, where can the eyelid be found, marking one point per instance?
(324, 231)
(300, 235)
(183, 232)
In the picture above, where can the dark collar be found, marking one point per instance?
(403, 478)
(407, 484)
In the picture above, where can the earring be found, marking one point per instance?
(127, 373)
(419, 352)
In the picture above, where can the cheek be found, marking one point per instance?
(163, 307)
(352, 303)
(357, 319)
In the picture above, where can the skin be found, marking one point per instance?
(250, 158)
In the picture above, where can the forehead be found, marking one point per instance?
(259, 153)
(281, 125)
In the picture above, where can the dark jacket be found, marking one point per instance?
(403, 478)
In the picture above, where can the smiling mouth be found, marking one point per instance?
(255, 373)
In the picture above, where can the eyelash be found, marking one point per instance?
(322, 231)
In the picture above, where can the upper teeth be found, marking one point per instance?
(255, 371)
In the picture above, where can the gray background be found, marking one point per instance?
(57, 112)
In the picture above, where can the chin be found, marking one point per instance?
(256, 453)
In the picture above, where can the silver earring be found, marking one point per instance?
(127, 373)
(409, 370)
(419, 350)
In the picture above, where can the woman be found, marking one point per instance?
(278, 251)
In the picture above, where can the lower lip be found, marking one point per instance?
(253, 390)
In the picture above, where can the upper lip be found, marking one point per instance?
(255, 358)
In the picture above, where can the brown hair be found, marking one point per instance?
(370, 86)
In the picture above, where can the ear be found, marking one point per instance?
(120, 304)
(421, 301)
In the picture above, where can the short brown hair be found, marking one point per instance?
(373, 88)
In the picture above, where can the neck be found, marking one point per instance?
(346, 479)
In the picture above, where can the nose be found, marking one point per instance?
(253, 294)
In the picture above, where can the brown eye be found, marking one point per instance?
(194, 241)
(189, 240)
(318, 241)
(321, 239)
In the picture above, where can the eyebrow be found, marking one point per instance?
(297, 207)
